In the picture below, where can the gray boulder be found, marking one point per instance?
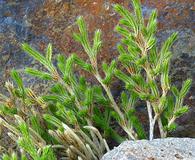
(158, 149)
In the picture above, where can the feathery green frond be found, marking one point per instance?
(39, 74)
(49, 52)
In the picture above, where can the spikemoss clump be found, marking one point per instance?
(74, 120)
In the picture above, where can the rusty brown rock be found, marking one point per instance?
(39, 22)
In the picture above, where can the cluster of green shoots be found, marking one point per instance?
(75, 119)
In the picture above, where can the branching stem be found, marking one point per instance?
(163, 134)
(151, 121)
(78, 105)
(123, 124)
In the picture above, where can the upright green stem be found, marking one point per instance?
(123, 124)
(152, 120)
(78, 105)
(108, 92)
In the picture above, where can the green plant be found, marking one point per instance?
(13, 156)
(146, 64)
(75, 118)
(28, 140)
(32, 136)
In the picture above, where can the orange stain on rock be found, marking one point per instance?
(57, 21)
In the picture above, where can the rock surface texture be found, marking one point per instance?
(39, 22)
(158, 149)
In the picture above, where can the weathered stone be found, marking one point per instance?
(158, 149)
(39, 22)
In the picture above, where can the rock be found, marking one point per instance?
(158, 149)
(39, 22)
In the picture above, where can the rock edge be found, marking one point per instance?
(158, 149)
